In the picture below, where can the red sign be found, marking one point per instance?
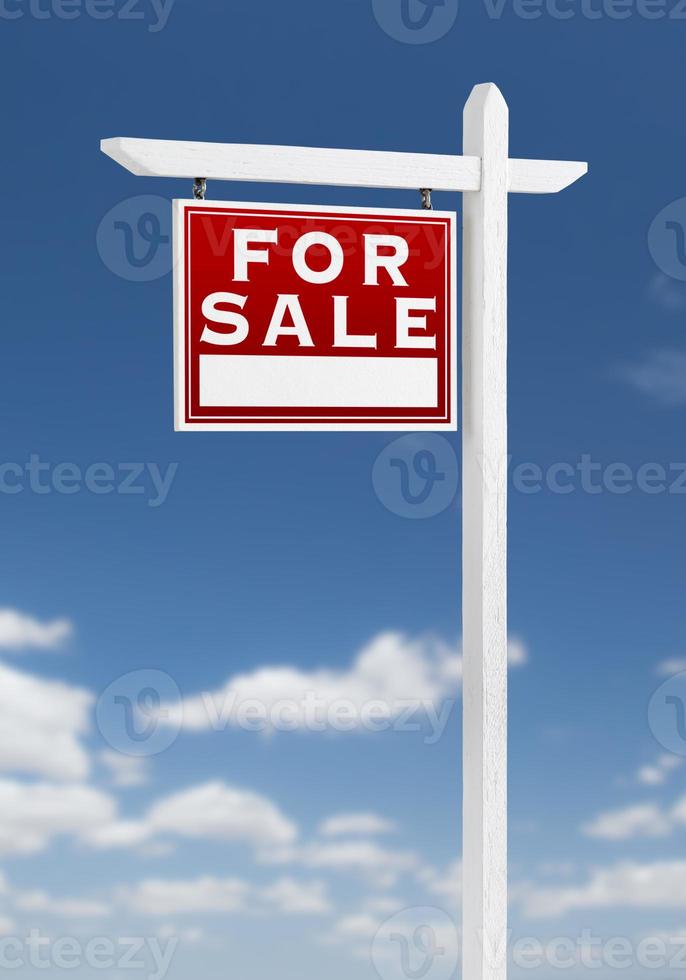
(290, 317)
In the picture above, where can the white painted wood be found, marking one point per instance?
(543, 176)
(293, 164)
(484, 541)
(344, 168)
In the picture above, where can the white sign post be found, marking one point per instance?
(485, 175)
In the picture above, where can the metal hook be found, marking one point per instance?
(426, 198)
(199, 188)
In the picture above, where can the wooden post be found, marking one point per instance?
(484, 540)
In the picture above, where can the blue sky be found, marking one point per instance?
(271, 551)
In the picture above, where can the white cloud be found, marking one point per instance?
(216, 810)
(213, 810)
(667, 292)
(661, 375)
(293, 897)
(190, 935)
(66, 908)
(160, 896)
(642, 820)
(40, 722)
(125, 770)
(627, 885)
(207, 894)
(351, 824)
(391, 669)
(675, 665)
(36, 901)
(384, 905)
(379, 866)
(119, 834)
(447, 883)
(656, 774)
(21, 632)
(32, 814)
(359, 929)
(651, 775)
(517, 652)
(390, 672)
(557, 869)
(361, 925)
(156, 849)
(443, 936)
(678, 813)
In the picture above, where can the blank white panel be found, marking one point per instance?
(253, 381)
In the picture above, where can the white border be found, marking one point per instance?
(180, 425)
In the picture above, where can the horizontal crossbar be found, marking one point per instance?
(343, 168)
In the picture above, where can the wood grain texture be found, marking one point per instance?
(484, 541)
(343, 168)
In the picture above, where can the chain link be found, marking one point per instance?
(199, 188)
(426, 198)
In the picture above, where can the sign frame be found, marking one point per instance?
(183, 422)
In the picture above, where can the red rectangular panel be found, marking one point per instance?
(291, 317)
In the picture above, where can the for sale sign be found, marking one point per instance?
(313, 318)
